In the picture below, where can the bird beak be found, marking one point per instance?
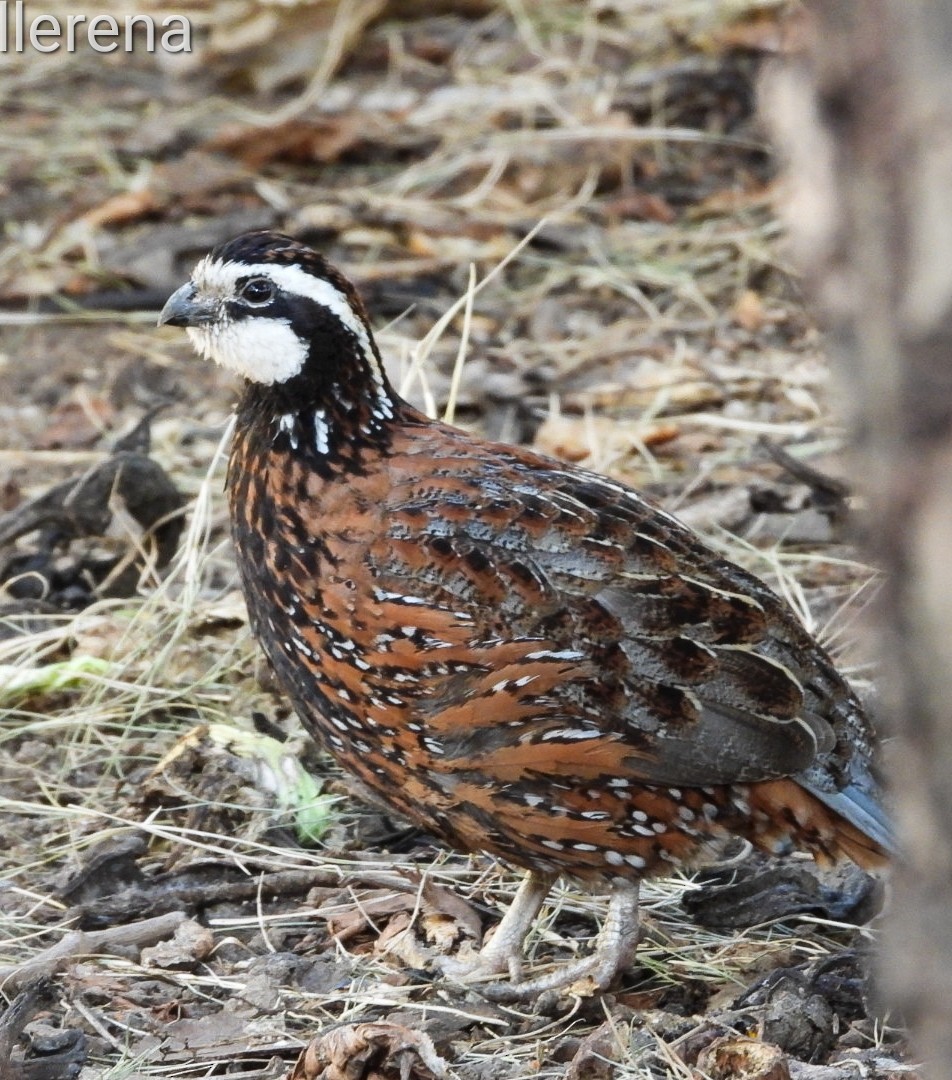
(185, 308)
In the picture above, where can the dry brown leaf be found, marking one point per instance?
(225, 613)
(578, 438)
(441, 930)
(438, 900)
(595, 1057)
(99, 635)
(192, 942)
(370, 1052)
(398, 940)
(421, 243)
(277, 44)
(782, 29)
(24, 284)
(215, 1037)
(737, 1058)
(297, 141)
(733, 200)
(371, 907)
(641, 206)
(748, 311)
(684, 395)
(75, 425)
(196, 175)
(122, 209)
(188, 180)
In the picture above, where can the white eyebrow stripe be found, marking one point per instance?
(213, 275)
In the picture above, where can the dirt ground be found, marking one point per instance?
(562, 219)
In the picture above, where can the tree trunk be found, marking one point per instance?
(866, 121)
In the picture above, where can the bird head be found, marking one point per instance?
(272, 309)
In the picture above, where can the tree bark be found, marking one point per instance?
(865, 118)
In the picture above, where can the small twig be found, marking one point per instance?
(88, 943)
(827, 487)
(449, 413)
(15, 1019)
(96, 1024)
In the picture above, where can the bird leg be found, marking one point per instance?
(503, 953)
(614, 947)
(504, 950)
(614, 951)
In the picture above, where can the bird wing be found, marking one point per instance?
(602, 638)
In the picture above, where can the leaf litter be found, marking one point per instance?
(164, 910)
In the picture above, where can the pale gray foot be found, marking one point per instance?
(503, 953)
(614, 947)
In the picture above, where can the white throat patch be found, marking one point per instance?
(265, 349)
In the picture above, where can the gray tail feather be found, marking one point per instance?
(863, 810)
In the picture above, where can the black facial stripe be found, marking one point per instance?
(238, 310)
(305, 315)
(309, 320)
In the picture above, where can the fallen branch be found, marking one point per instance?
(89, 943)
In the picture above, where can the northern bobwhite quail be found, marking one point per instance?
(523, 657)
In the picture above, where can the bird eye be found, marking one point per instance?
(257, 291)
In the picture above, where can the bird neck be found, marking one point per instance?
(337, 407)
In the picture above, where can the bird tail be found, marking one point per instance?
(858, 808)
(831, 825)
